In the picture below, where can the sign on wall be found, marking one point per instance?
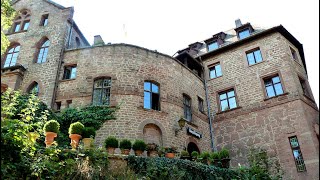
(194, 133)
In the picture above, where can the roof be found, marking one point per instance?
(48, 1)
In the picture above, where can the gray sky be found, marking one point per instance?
(171, 25)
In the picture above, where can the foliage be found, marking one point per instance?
(165, 168)
(184, 153)
(125, 144)
(89, 132)
(51, 126)
(205, 155)
(7, 15)
(91, 116)
(111, 142)
(76, 128)
(152, 147)
(170, 149)
(194, 154)
(214, 155)
(139, 145)
(224, 153)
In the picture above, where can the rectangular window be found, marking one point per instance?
(254, 57)
(200, 101)
(58, 106)
(151, 96)
(215, 71)
(297, 155)
(17, 27)
(187, 108)
(70, 72)
(304, 87)
(273, 86)
(212, 46)
(44, 20)
(244, 33)
(227, 100)
(26, 25)
(294, 54)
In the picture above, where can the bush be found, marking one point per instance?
(111, 142)
(184, 154)
(76, 128)
(152, 147)
(51, 126)
(224, 153)
(171, 149)
(139, 145)
(194, 154)
(205, 155)
(89, 132)
(214, 155)
(125, 144)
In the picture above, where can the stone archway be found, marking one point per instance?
(152, 134)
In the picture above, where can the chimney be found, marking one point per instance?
(98, 40)
(238, 23)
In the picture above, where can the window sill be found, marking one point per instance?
(226, 111)
(210, 79)
(17, 32)
(65, 80)
(267, 98)
(255, 63)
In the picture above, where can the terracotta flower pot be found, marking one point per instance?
(138, 152)
(74, 140)
(87, 142)
(126, 151)
(170, 155)
(111, 150)
(50, 138)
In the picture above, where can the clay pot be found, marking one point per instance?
(87, 142)
(50, 138)
(126, 151)
(138, 152)
(170, 155)
(74, 140)
(111, 150)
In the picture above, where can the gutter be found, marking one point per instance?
(213, 148)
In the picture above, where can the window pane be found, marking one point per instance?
(155, 101)
(17, 49)
(106, 82)
(11, 50)
(223, 96)
(218, 70)
(213, 46)
(45, 22)
(275, 79)
(270, 91)
(232, 103)
(212, 73)
(278, 88)
(73, 72)
(13, 61)
(250, 58)
(147, 86)
(268, 82)
(224, 105)
(257, 55)
(67, 73)
(9, 57)
(155, 88)
(147, 100)
(98, 83)
(230, 94)
(97, 97)
(26, 26)
(244, 34)
(17, 28)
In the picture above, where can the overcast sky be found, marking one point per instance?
(171, 25)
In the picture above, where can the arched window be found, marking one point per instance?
(43, 52)
(12, 55)
(34, 88)
(21, 23)
(101, 91)
(151, 96)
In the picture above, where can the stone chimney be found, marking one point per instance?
(98, 40)
(238, 23)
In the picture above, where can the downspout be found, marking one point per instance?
(213, 148)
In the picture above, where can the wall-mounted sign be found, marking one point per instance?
(194, 133)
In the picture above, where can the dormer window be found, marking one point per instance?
(215, 41)
(212, 46)
(244, 33)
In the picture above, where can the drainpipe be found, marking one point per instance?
(213, 148)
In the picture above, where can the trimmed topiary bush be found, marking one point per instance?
(51, 126)
(76, 128)
(194, 154)
(111, 142)
(205, 155)
(224, 153)
(125, 144)
(139, 145)
(184, 154)
(89, 132)
(214, 155)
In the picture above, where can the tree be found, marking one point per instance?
(7, 15)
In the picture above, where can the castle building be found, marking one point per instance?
(240, 89)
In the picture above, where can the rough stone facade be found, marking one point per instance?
(257, 122)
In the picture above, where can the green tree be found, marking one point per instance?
(7, 15)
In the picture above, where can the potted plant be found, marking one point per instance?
(111, 143)
(194, 155)
(152, 149)
(51, 129)
(224, 158)
(88, 134)
(215, 158)
(139, 146)
(161, 152)
(75, 132)
(170, 152)
(125, 146)
(184, 155)
(205, 157)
